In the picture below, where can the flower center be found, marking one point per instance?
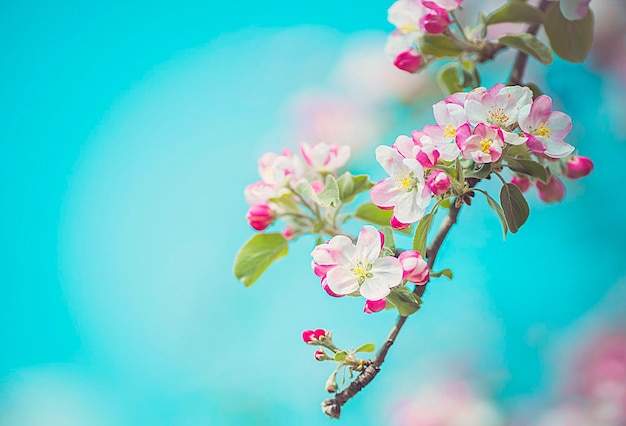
(498, 117)
(485, 144)
(362, 272)
(544, 130)
(409, 28)
(407, 182)
(449, 131)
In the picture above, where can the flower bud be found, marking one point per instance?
(372, 306)
(396, 224)
(414, 267)
(435, 23)
(331, 383)
(577, 167)
(320, 355)
(438, 182)
(551, 192)
(289, 232)
(313, 336)
(260, 216)
(317, 186)
(427, 158)
(327, 289)
(408, 61)
(522, 182)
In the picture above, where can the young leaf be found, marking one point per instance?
(350, 186)
(340, 356)
(448, 79)
(404, 300)
(480, 173)
(329, 197)
(446, 273)
(530, 44)
(496, 208)
(516, 11)
(515, 207)
(390, 242)
(421, 232)
(257, 254)
(439, 46)
(369, 212)
(571, 40)
(368, 347)
(528, 167)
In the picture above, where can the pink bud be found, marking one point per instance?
(408, 61)
(428, 159)
(312, 336)
(438, 182)
(435, 23)
(551, 192)
(577, 167)
(396, 224)
(522, 182)
(319, 333)
(414, 267)
(327, 289)
(289, 232)
(372, 306)
(260, 216)
(382, 239)
(317, 186)
(320, 355)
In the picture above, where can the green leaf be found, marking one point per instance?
(528, 167)
(516, 11)
(482, 172)
(368, 347)
(370, 213)
(421, 232)
(340, 356)
(257, 254)
(471, 78)
(530, 44)
(496, 208)
(404, 300)
(445, 273)
(328, 197)
(448, 79)
(439, 46)
(459, 171)
(390, 242)
(515, 207)
(350, 186)
(571, 40)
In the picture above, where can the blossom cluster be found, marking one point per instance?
(413, 18)
(366, 269)
(280, 176)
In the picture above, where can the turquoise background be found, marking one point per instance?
(128, 133)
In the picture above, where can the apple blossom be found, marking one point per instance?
(408, 60)
(314, 336)
(442, 4)
(483, 146)
(405, 190)
(522, 182)
(260, 192)
(435, 22)
(577, 167)
(323, 157)
(260, 216)
(328, 255)
(438, 182)
(551, 192)
(414, 267)
(545, 128)
(279, 170)
(396, 224)
(498, 106)
(372, 306)
(360, 269)
(327, 289)
(321, 355)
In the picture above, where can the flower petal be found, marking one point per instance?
(342, 280)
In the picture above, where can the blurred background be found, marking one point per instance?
(128, 131)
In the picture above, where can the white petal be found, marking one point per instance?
(342, 280)
(368, 244)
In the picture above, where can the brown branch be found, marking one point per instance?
(519, 66)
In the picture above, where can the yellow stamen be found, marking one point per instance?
(409, 28)
(449, 131)
(485, 144)
(406, 183)
(498, 117)
(544, 130)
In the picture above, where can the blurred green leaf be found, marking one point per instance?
(516, 11)
(515, 207)
(350, 186)
(496, 208)
(257, 254)
(528, 167)
(328, 197)
(370, 213)
(529, 44)
(340, 356)
(421, 232)
(404, 300)
(448, 79)
(439, 45)
(368, 347)
(571, 40)
(445, 273)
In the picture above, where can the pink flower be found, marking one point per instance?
(574, 10)
(405, 190)
(499, 106)
(372, 306)
(436, 22)
(260, 192)
(322, 157)
(414, 267)
(409, 61)
(438, 182)
(328, 290)
(260, 216)
(360, 269)
(551, 192)
(313, 336)
(484, 146)
(328, 255)
(419, 146)
(279, 170)
(545, 128)
(522, 182)
(577, 167)
(396, 224)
